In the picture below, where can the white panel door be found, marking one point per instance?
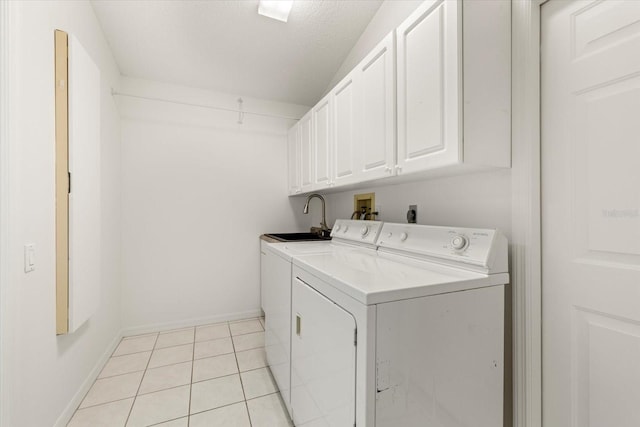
(429, 107)
(345, 96)
(321, 143)
(376, 112)
(295, 159)
(305, 130)
(323, 360)
(84, 197)
(591, 213)
(276, 302)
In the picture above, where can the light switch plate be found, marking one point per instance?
(29, 258)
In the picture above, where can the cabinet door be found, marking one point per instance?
(321, 143)
(306, 152)
(344, 118)
(276, 303)
(295, 160)
(323, 360)
(376, 108)
(429, 92)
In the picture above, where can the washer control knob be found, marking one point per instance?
(364, 231)
(403, 237)
(346, 227)
(338, 227)
(390, 234)
(459, 242)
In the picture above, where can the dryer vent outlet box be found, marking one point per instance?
(363, 206)
(412, 214)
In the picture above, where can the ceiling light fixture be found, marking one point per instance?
(276, 9)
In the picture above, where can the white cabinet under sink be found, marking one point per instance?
(275, 283)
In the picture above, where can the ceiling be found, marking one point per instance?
(225, 46)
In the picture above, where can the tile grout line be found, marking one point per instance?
(141, 380)
(193, 354)
(235, 355)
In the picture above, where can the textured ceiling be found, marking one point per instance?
(226, 46)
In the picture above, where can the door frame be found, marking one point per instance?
(526, 270)
(7, 73)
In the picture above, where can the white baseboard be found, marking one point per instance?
(159, 327)
(68, 412)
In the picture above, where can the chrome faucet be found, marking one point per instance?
(323, 223)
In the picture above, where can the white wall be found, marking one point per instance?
(44, 374)
(479, 200)
(390, 14)
(198, 189)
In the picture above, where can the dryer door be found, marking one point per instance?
(323, 360)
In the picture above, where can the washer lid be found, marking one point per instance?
(373, 278)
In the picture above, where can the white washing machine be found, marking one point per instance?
(276, 275)
(409, 335)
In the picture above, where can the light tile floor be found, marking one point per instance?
(207, 376)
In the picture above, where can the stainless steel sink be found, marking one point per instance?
(297, 237)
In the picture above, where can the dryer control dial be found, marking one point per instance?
(338, 227)
(364, 231)
(459, 242)
(403, 237)
(346, 227)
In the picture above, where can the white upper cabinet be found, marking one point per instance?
(344, 121)
(445, 75)
(364, 118)
(322, 142)
(376, 140)
(305, 130)
(295, 160)
(453, 92)
(428, 89)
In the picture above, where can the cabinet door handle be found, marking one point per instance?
(399, 168)
(298, 324)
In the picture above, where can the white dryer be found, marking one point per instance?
(276, 279)
(409, 335)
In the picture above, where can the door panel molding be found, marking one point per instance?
(526, 282)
